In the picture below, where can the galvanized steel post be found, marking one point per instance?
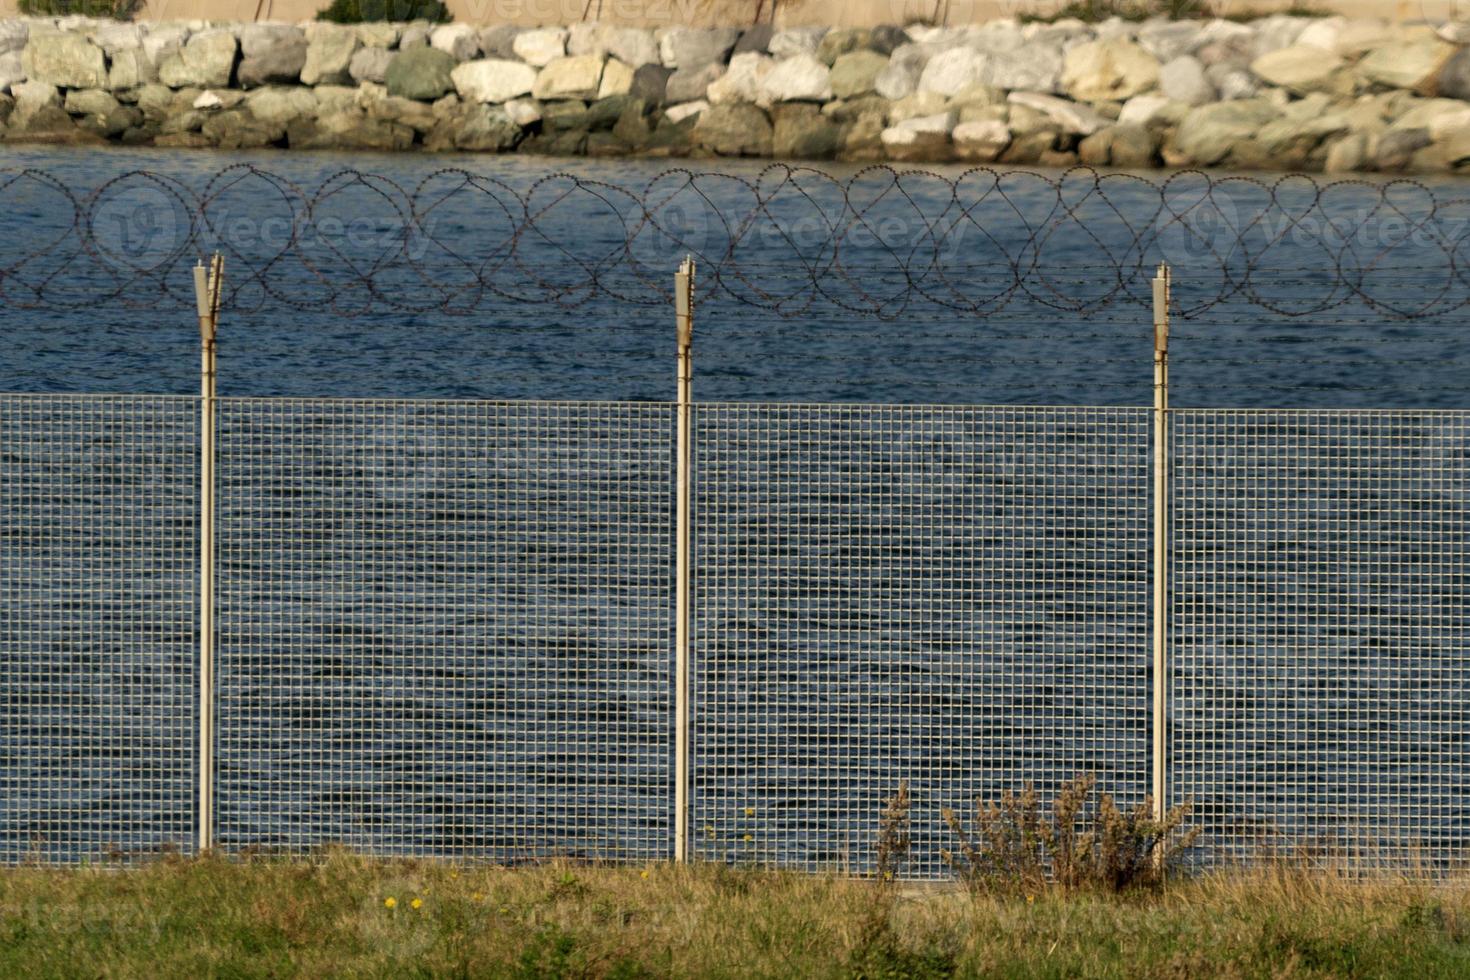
(1160, 604)
(684, 319)
(207, 297)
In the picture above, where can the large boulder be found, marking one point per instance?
(901, 77)
(980, 141)
(1067, 117)
(1411, 64)
(370, 64)
(857, 72)
(1208, 134)
(12, 71)
(755, 39)
(421, 73)
(574, 77)
(493, 80)
(499, 41)
(1167, 40)
(13, 35)
(329, 55)
(651, 84)
(741, 82)
(486, 128)
(739, 129)
(800, 78)
(920, 139)
(690, 84)
(460, 41)
(689, 47)
(796, 40)
(208, 61)
(801, 132)
(840, 41)
(282, 104)
(617, 78)
(274, 54)
(1108, 71)
(1301, 68)
(1183, 79)
(950, 71)
(540, 47)
(631, 45)
(378, 34)
(66, 60)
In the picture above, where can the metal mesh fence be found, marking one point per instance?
(1319, 650)
(445, 627)
(98, 625)
(952, 596)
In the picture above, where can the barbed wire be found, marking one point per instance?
(880, 243)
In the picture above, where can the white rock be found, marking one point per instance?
(1322, 33)
(492, 80)
(540, 47)
(1102, 71)
(1070, 117)
(617, 79)
(1449, 125)
(31, 96)
(1184, 80)
(12, 72)
(1167, 40)
(682, 111)
(569, 78)
(742, 81)
(950, 71)
(1141, 109)
(523, 112)
(206, 60)
(328, 55)
(800, 78)
(162, 40)
(114, 36)
(982, 141)
(281, 104)
(1455, 32)
(1034, 68)
(905, 68)
(1301, 68)
(917, 135)
(68, 60)
(631, 45)
(13, 35)
(461, 41)
(208, 100)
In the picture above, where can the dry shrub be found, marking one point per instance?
(1015, 846)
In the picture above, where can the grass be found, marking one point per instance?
(1096, 11)
(331, 917)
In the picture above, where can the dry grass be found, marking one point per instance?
(209, 917)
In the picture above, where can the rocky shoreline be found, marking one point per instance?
(1285, 93)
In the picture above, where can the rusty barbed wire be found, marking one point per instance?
(881, 243)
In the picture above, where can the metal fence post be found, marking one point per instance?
(1160, 603)
(684, 319)
(207, 297)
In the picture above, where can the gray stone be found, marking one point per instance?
(1274, 33)
(885, 39)
(240, 130)
(1231, 82)
(67, 60)
(378, 35)
(901, 77)
(1133, 147)
(952, 70)
(1454, 77)
(921, 138)
(738, 129)
(420, 73)
(486, 128)
(540, 47)
(493, 80)
(575, 77)
(856, 73)
(499, 41)
(800, 78)
(603, 114)
(329, 55)
(741, 82)
(1067, 117)
(371, 64)
(111, 125)
(617, 78)
(1209, 132)
(163, 40)
(1183, 80)
(523, 112)
(114, 36)
(1141, 110)
(279, 65)
(1167, 40)
(802, 133)
(1412, 64)
(755, 40)
(687, 47)
(689, 84)
(13, 71)
(415, 35)
(261, 39)
(797, 40)
(631, 45)
(13, 35)
(281, 104)
(1034, 68)
(1108, 71)
(1397, 147)
(89, 102)
(460, 41)
(650, 83)
(916, 105)
(208, 59)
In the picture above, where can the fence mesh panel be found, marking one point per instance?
(445, 627)
(953, 596)
(1320, 667)
(98, 644)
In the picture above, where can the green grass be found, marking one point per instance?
(268, 918)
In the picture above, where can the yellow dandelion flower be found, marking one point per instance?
(643, 873)
(454, 876)
(417, 903)
(749, 838)
(477, 897)
(504, 910)
(1030, 899)
(390, 902)
(750, 811)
